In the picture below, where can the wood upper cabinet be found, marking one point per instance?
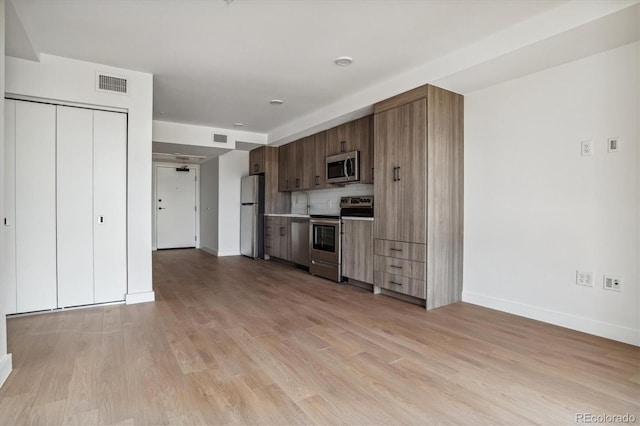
(284, 158)
(301, 167)
(357, 250)
(354, 136)
(256, 161)
(303, 162)
(264, 160)
(418, 154)
(400, 193)
(319, 175)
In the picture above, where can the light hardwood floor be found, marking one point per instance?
(233, 340)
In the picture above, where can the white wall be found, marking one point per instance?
(233, 166)
(5, 358)
(209, 205)
(70, 80)
(220, 202)
(190, 134)
(536, 210)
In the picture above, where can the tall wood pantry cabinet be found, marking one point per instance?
(418, 146)
(65, 204)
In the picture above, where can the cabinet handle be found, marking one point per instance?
(372, 174)
(343, 146)
(255, 167)
(397, 267)
(317, 180)
(297, 183)
(398, 172)
(394, 283)
(394, 174)
(282, 231)
(395, 249)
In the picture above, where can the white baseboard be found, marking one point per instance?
(220, 253)
(209, 250)
(585, 325)
(147, 296)
(6, 365)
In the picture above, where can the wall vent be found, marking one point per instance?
(111, 84)
(219, 138)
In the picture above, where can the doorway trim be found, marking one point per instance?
(154, 202)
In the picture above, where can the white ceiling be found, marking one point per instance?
(215, 63)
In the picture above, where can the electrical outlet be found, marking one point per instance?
(584, 278)
(611, 283)
(585, 148)
(613, 144)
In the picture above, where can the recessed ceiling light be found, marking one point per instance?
(343, 61)
(238, 124)
(276, 101)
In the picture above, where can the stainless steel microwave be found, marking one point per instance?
(343, 167)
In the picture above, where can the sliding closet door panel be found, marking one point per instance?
(35, 206)
(8, 297)
(110, 206)
(74, 167)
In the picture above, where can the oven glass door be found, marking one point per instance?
(324, 237)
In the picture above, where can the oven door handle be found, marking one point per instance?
(323, 263)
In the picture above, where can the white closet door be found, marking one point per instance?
(110, 206)
(75, 206)
(9, 228)
(35, 206)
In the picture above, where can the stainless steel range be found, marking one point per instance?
(324, 247)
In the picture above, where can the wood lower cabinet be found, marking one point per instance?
(357, 250)
(418, 165)
(277, 237)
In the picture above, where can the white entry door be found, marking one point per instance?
(175, 207)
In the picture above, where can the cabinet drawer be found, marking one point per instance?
(402, 267)
(404, 285)
(401, 250)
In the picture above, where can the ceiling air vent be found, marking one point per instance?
(219, 138)
(111, 84)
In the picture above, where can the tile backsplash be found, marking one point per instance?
(326, 201)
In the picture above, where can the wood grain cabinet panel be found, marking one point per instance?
(400, 249)
(418, 165)
(265, 161)
(357, 250)
(400, 284)
(257, 161)
(405, 268)
(319, 179)
(284, 156)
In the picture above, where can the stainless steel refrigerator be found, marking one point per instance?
(252, 216)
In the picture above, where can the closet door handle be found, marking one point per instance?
(101, 218)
